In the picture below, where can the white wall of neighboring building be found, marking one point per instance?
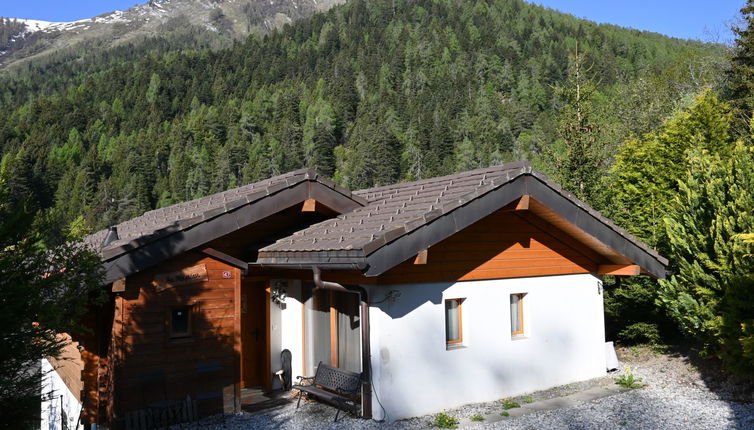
(286, 332)
(57, 400)
(415, 374)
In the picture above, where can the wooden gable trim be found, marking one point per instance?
(421, 257)
(561, 236)
(619, 269)
(229, 259)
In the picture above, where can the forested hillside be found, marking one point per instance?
(370, 93)
(655, 132)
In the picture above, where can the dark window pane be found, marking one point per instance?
(180, 321)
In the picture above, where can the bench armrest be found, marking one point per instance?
(305, 378)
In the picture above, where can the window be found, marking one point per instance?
(180, 321)
(517, 314)
(453, 323)
(332, 329)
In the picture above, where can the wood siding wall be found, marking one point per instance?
(149, 366)
(506, 244)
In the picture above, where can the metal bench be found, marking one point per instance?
(338, 387)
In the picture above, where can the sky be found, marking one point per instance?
(707, 20)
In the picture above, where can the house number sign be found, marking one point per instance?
(189, 275)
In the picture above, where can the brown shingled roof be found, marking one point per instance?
(394, 210)
(180, 219)
(361, 238)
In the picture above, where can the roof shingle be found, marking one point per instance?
(394, 210)
(160, 222)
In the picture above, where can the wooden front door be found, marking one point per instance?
(253, 333)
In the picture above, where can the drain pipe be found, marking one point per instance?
(366, 360)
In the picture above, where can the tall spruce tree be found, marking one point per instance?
(740, 84)
(580, 166)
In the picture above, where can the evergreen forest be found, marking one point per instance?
(653, 131)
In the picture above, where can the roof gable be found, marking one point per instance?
(505, 244)
(166, 232)
(403, 219)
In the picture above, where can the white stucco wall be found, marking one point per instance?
(414, 373)
(53, 405)
(285, 331)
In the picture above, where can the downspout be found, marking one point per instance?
(366, 359)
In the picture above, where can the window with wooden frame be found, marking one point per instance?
(453, 322)
(180, 321)
(517, 314)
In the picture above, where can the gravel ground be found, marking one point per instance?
(677, 395)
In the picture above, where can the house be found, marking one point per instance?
(445, 291)
(60, 389)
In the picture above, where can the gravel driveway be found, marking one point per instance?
(676, 396)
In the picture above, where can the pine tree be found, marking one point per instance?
(580, 167)
(740, 84)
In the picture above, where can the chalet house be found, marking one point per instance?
(445, 291)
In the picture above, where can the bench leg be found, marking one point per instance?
(336, 415)
(300, 393)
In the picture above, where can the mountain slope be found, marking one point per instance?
(226, 20)
(369, 92)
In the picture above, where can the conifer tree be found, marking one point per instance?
(646, 172)
(580, 166)
(645, 179)
(709, 294)
(740, 85)
(44, 291)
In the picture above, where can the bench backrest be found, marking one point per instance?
(339, 380)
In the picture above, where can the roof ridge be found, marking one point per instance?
(445, 206)
(500, 167)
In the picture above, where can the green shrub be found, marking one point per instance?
(477, 417)
(505, 414)
(445, 421)
(510, 404)
(529, 399)
(640, 332)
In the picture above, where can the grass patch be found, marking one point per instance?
(505, 413)
(510, 404)
(628, 380)
(528, 399)
(477, 417)
(445, 421)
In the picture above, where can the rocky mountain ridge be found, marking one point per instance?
(222, 20)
